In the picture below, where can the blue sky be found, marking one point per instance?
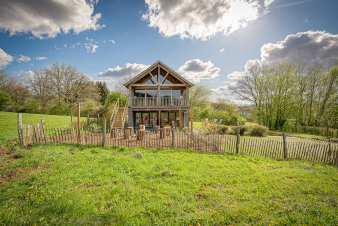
(124, 37)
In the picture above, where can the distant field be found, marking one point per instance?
(70, 185)
(8, 122)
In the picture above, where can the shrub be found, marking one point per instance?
(242, 130)
(223, 129)
(258, 131)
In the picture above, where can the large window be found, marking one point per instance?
(177, 93)
(139, 93)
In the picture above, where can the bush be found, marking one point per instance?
(258, 131)
(223, 129)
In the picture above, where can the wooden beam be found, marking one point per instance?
(162, 85)
(165, 77)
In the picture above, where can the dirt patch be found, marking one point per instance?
(3, 151)
(19, 173)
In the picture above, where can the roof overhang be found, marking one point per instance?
(151, 68)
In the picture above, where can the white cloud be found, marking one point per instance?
(225, 91)
(303, 48)
(202, 19)
(221, 50)
(310, 47)
(23, 59)
(39, 58)
(43, 18)
(5, 58)
(128, 70)
(116, 76)
(196, 70)
(91, 45)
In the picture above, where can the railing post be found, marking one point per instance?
(285, 147)
(237, 140)
(104, 131)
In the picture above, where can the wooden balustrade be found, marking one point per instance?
(163, 102)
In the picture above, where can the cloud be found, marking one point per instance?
(221, 50)
(40, 58)
(302, 48)
(128, 70)
(310, 47)
(91, 45)
(225, 91)
(202, 19)
(23, 59)
(5, 58)
(43, 18)
(116, 76)
(196, 70)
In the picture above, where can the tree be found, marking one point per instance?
(199, 102)
(4, 100)
(285, 92)
(103, 91)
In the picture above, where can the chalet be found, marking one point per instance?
(158, 96)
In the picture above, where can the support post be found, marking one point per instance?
(78, 123)
(237, 140)
(104, 132)
(285, 147)
(20, 130)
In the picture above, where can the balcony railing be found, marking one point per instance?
(158, 102)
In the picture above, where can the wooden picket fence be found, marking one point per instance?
(272, 147)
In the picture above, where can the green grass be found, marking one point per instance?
(8, 122)
(70, 185)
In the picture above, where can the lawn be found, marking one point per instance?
(8, 122)
(70, 185)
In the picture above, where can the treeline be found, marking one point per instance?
(219, 111)
(292, 98)
(55, 90)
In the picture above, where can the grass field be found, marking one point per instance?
(8, 122)
(69, 185)
(81, 185)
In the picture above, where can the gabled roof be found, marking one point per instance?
(152, 67)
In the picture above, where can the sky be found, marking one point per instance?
(210, 42)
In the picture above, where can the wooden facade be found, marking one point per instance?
(158, 96)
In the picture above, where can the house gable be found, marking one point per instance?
(158, 73)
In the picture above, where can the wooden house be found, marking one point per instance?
(158, 96)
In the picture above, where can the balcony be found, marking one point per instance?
(170, 102)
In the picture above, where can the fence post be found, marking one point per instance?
(78, 123)
(173, 135)
(42, 127)
(20, 130)
(285, 147)
(237, 140)
(104, 131)
(141, 132)
(127, 132)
